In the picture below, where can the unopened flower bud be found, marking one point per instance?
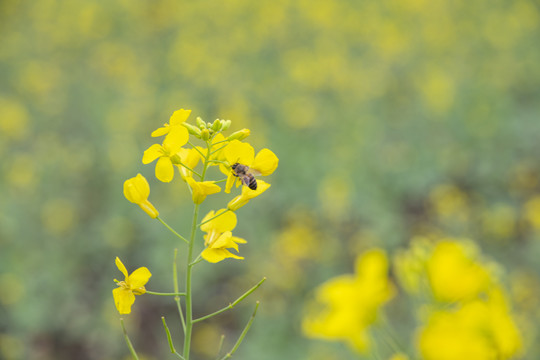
(200, 123)
(216, 126)
(225, 124)
(193, 130)
(205, 134)
(239, 135)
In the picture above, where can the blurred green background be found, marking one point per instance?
(391, 119)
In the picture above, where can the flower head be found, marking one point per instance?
(176, 138)
(177, 118)
(219, 237)
(264, 163)
(137, 191)
(124, 294)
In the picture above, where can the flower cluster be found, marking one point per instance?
(464, 311)
(469, 315)
(178, 155)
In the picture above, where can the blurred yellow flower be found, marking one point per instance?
(137, 191)
(264, 163)
(177, 118)
(347, 305)
(455, 273)
(246, 195)
(479, 329)
(532, 212)
(199, 190)
(219, 237)
(172, 144)
(124, 294)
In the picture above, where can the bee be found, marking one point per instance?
(246, 177)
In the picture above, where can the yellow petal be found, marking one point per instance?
(216, 255)
(136, 189)
(224, 241)
(265, 162)
(239, 152)
(160, 131)
(231, 179)
(177, 137)
(152, 153)
(121, 267)
(164, 169)
(249, 194)
(237, 202)
(225, 222)
(179, 116)
(123, 299)
(139, 277)
(238, 240)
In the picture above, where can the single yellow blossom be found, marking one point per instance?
(137, 191)
(172, 144)
(219, 237)
(177, 118)
(124, 294)
(347, 305)
(264, 163)
(246, 195)
(199, 190)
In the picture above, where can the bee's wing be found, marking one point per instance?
(255, 172)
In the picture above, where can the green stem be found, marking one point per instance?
(242, 335)
(213, 217)
(171, 345)
(189, 306)
(165, 294)
(197, 149)
(128, 342)
(230, 306)
(172, 230)
(220, 346)
(189, 265)
(177, 298)
(190, 169)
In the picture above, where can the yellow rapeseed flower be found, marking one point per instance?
(264, 163)
(219, 237)
(137, 191)
(199, 190)
(177, 118)
(176, 138)
(124, 294)
(347, 305)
